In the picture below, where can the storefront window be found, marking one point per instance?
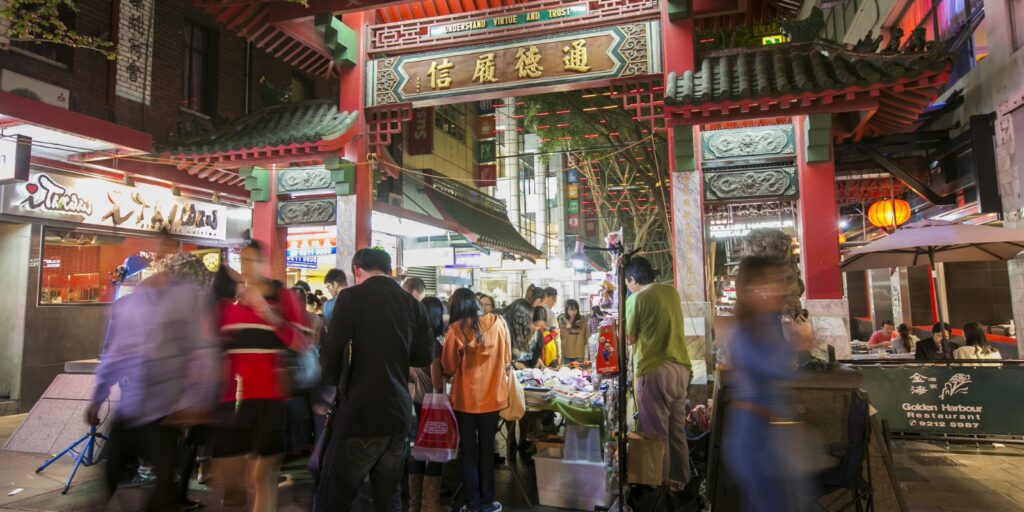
(81, 267)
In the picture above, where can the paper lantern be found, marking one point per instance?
(889, 214)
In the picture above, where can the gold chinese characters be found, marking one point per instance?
(440, 74)
(484, 71)
(576, 57)
(528, 63)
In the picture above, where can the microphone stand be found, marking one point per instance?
(621, 261)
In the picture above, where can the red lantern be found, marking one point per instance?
(889, 214)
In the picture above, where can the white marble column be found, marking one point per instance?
(690, 275)
(346, 234)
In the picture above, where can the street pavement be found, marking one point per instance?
(933, 478)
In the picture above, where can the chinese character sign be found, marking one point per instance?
(607, 53)
(134, 50)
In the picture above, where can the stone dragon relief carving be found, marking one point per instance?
(292, 180)
(722, 186)
(776, 140)
(318, 211)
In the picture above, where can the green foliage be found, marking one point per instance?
(39, 21)
(624, 164)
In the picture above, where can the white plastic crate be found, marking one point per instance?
(571, 484)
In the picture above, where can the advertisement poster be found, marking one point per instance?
(421, 132)
(486, 175)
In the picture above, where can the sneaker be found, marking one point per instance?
(493, 507)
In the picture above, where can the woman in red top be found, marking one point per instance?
(259, 321)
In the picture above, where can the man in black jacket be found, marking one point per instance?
(938, 347)
(389, 333)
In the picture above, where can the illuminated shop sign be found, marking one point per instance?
(306, 245)
(476, 259)
(510, 20)
(739, 229)
(100, 202)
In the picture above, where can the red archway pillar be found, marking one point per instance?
(352, 98)
(819, 212)
(266, 232)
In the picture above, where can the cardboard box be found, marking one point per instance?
(554, 442)
(646, 459)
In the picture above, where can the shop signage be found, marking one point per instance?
(303, 262)
(485, 127)
(574, 206)
(739, 229)
(486, 175)
(573, 191)
(485, 107)
(572, 176)
(486, 151)
(945, 399)
(599, 54)
(99, 202)
(574, 222)
(429, 257)
(15, 153)
(421, 134)
(509, 20)
(311, 245)
(51, 263)
(476, 259)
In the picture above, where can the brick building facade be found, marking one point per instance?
(230, 62)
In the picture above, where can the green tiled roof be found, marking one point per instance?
(307, 122)
(484, 217)
(794, 68)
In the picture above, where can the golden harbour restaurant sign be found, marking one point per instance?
(611, 52)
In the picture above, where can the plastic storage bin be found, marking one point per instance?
(571, 484)
(582, 443)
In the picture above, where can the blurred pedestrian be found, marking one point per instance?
(905, 343)
(425, 477)
(162, 352)
(654, 326)
(476, 354)
(574, 332)
(976, 344)
(377, 333)
(486, 303)
(416, 287)
(523, 332)
(757, 448)
(938, 347)
(258, 325)
(336, 281)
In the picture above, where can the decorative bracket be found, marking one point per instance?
(818, 138)
(682, 138)
(343, 175)
(257, 182)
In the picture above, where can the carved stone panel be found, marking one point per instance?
(748, 142)
(750, 184)
(316, 211)
(304, 179)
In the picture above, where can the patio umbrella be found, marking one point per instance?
(936, 242)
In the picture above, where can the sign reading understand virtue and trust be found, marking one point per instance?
(607, 53)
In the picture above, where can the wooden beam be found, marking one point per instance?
(907, 178)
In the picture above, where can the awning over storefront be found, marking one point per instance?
(479, 217)
(804, 78)
(294, 132)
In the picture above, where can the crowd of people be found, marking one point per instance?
(939, 346)
(211, 366)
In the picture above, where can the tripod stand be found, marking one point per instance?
(86, 457)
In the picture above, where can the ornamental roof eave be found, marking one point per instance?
(818, 76)
(300, 129)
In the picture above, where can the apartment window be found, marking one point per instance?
(451, 119)
(1015, 10)
(59, 53)
(302, 88)
(196, 92)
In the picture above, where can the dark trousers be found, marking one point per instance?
(476, 457)
(158, 446)
(346, 464)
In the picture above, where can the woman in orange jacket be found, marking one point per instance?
(476, 354)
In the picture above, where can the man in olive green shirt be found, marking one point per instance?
(654, 326)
